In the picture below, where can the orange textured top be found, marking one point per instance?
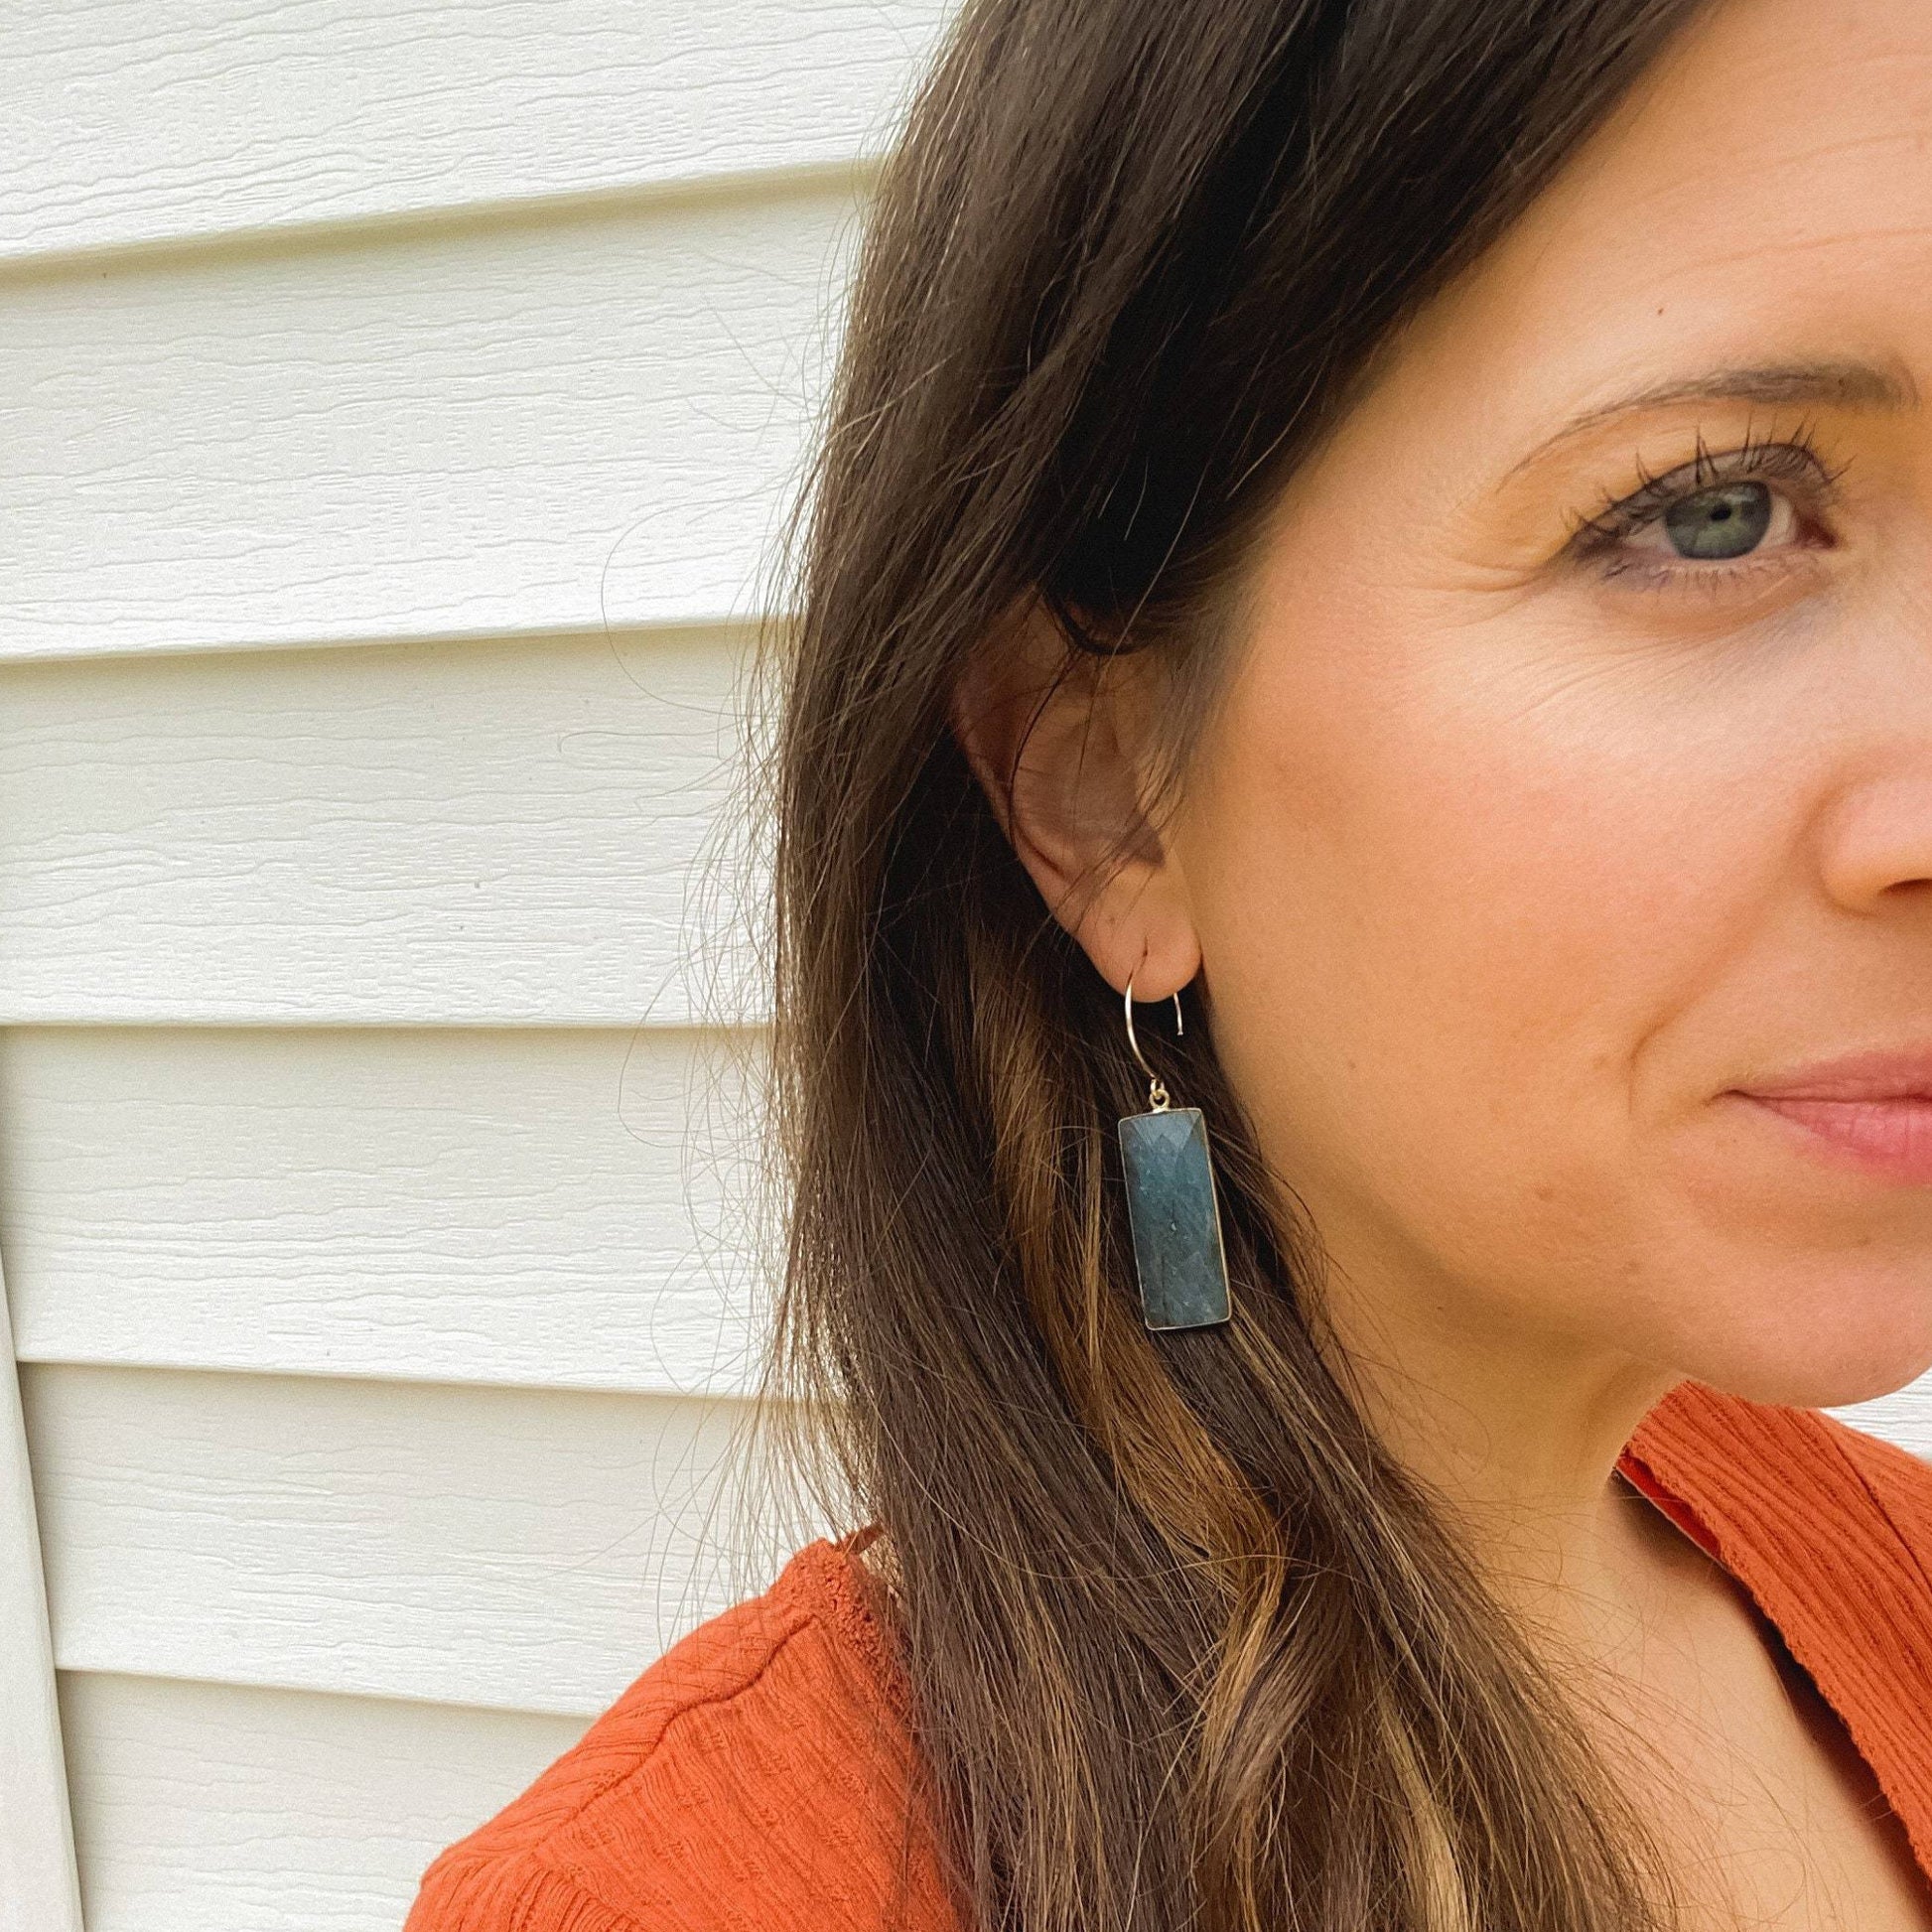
(757, 1775)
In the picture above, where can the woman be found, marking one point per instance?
(1397, 535)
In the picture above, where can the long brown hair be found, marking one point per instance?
(1187, 1648)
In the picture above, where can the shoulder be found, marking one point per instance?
(760, 1774)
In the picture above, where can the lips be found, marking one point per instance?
(1873, 1110)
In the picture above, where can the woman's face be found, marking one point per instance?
(1561, 857)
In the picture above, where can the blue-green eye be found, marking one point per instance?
(1729, 521)
(1717, 509)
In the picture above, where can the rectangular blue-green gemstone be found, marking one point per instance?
(1177, 1223)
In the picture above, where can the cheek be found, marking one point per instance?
(1456, 922)
(1451, 916)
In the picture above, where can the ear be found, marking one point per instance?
(1060, 742)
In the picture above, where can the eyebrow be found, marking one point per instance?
(1837, 385)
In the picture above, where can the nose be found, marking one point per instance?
(1877, 843)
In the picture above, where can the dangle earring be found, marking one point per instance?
(1171, 1204)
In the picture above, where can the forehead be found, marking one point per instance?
(1764, 194)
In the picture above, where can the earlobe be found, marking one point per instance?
(1052, 743)
(1153, 943)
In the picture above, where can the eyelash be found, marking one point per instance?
(1793, 459)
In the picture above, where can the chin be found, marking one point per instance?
(1813, 1335)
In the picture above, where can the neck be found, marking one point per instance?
(1517, 1435)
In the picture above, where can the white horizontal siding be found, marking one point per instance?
(1904, 1417)
(128, 123)
(222, 1810)
(485, 1206)
(532, 425)
(507, 833)
(370, 1187)
(520, 1550)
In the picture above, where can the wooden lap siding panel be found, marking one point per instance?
(528, 831)
(558, 1208)
(129, 125)
(226, 1809)
(562, 421)
(512, 1548)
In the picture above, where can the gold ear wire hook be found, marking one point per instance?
(1156, 1093)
